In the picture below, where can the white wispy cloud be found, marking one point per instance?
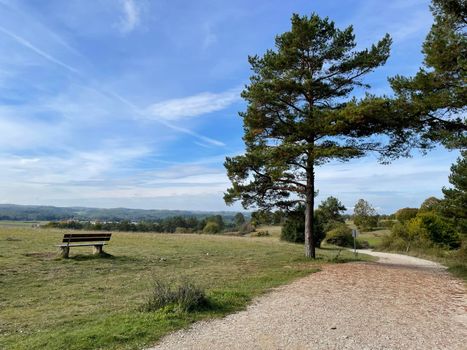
(206, 139)
(20, 14)
(405, 182)
(193, 106)
(196, 105)
(142, 114)
(131, 15)
(37, 50)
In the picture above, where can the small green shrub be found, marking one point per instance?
(393, 242)
(340, 236)
(406, 214)
(211, 227)
(183, 295)
(263, 233)
(426, 230)
(331, 225)
(246, 228)
(366, 223)
(362, 244)
(386, 223)
(183, 230)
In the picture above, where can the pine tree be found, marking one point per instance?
(432, 104)
(454, 204)
(299, 116)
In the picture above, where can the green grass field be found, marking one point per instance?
(273, 230)
(88, 302)
(374, 238)
(10, 223)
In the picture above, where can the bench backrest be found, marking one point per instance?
(86, 237)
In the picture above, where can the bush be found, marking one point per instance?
(405, 214)
(392, 242)
(183, 230)
(430, 204)
(425, 230)
(184, 296)
(264, 233)
(294, 228)
(340, 236)
(436, 229)
(246, 228)
(211, 227)
(331, 225)
(386, 223)
(366, 223)
(293, 231)
(362, 244)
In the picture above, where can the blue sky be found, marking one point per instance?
(133, 103)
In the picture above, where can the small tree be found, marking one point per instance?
(300, 116)
(239, 220)
(364, 215)
(405, 214)
(218, 220)
(430, 204)
(454, 205)
(261, 217)
(211, 227)
(330, 211)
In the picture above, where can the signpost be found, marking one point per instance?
(354, 235)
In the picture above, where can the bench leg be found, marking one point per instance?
(97, 249)
(65, 252)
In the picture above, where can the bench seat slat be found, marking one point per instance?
(90, 235)
(80, 245)
(79, 239)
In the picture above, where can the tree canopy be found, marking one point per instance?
(331, 209)
(432, 104)
(364, 214)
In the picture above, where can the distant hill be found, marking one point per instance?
(50, 213)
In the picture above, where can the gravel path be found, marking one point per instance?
(398, 303)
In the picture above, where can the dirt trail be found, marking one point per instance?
(402, 260)
(400, 302)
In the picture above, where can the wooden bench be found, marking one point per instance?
(77, 239)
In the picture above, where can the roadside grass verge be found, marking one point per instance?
(89, 302)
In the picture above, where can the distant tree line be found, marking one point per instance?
(51, 213)
(176, 224)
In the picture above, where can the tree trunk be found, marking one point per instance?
(309, 214)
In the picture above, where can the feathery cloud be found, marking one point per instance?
(30, 46)
(193, 106)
